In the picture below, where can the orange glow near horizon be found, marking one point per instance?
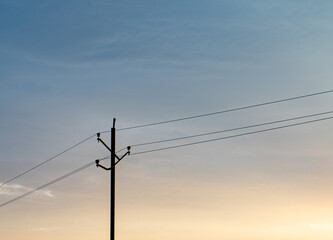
(217, 211)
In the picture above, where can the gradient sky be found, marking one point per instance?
(69, 67)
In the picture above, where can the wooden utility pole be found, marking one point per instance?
(112, 176)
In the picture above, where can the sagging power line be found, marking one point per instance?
(232, 136)
(229, 130)
(51, 182)
(227, 110)
(47, 160)
(168, 121)
(162, 149)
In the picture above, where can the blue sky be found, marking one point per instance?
(83, 52)
(69, 67)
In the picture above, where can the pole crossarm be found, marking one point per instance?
(119, 159)
(105, 145)
(99, 165)
(127, 153)
(100, 140)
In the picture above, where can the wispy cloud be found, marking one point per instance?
(44, 229)
(16, 190)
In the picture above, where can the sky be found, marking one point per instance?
(69, 67)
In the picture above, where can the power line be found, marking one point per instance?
(232, 136)
(228, 130)
(225, 111)
(50, 183)
(159, 149)
(48, 160)
(170, 121)
(188, 118)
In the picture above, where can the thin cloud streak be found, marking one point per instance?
(16, 189)
(45, 229)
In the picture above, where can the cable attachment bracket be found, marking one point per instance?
(99, 165)
(118, 158)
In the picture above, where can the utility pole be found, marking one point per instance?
(112, 175)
